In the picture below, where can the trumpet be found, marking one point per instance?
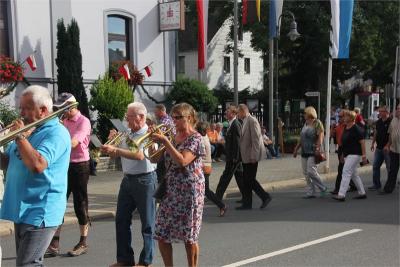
(12, 135)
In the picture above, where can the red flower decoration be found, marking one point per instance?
(10, 71)
(136, 76)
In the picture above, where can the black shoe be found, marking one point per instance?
(239, 201)
(383, 192)
(334, 192)
(341, 199)
(373, 188)
(243, 208)
(364, 196)
(265, 203)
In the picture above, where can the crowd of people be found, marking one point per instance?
(48, 162)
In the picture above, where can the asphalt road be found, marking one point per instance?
(291, 231)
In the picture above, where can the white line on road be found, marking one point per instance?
(290, 249)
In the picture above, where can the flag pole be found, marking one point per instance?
(146, 66)
(34, 52)
(235, 54)
(328, 117)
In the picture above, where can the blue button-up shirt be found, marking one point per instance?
(36, 198)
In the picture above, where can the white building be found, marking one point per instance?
(128, 29)
(219, 63)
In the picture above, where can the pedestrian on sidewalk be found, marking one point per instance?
(136, 191)
(393, 146)
(79, 129)
(180, 213)
(233, 164)
(201, 127)
(353, 151)
(339, 132)
(380, 138)
(252, 151)
(311, 137)
(36, 185)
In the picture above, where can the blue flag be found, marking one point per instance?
(342, 16)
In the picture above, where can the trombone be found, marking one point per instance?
(12, 135)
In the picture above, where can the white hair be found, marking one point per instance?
(138, 108)
(40, 96)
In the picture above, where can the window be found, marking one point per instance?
(227, 64)
(181, 64)
(119, 41)
(4, 40)
(247, 65)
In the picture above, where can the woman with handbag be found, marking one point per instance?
(201, 127)
(311, 137)
(353, 146)
(180, 213)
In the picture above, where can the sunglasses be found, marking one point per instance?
(178, 117)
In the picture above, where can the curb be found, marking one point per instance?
(7, 228)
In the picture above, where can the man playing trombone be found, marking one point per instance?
(136, 190)
(37, 164)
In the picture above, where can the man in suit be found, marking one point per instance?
(252, 151)
(233, 163)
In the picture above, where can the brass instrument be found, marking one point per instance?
(12, 135)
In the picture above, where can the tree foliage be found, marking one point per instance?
(110, 99)
(193, 92)
(69, 64)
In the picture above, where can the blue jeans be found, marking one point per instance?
(379, 156)
(136, 192)
(31, 243)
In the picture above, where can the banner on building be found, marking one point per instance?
(172, 15)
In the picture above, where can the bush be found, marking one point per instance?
(193, 92)
(110, 98)
(7, 113)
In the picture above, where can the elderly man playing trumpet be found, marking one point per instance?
(136, 190)
(37, 164)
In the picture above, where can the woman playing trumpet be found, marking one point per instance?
(180, 212)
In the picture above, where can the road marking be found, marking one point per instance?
(290, 249)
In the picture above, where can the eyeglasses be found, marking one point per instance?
(177, 117)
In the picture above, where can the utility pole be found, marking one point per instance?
(235, 53)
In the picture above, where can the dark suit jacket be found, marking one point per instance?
(232, 139)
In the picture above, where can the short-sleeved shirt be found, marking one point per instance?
(36, 198)
(351, 140)
(79, 129)
(382, 135)
(394, 131)
(308, 136)
(131, 166)
(167, 120)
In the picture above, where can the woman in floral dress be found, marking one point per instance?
(180, 212)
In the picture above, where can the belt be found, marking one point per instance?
(137, 175)
(79, 163)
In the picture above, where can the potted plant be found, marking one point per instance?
(11, 73)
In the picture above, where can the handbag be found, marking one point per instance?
(161, 189)
(319, 156)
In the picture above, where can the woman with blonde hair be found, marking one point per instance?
(311, 137)
(180, 213)
(353, 146)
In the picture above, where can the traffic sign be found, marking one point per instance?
(315, 93)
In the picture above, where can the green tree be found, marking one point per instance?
(110, 99)
(69, 64)
(193, 92)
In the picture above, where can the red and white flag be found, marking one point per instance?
(31, 62)
(149, 70)
(202, 15)
(124, 70)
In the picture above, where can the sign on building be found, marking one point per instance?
(172, 15)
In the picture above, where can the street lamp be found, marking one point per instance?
(293, 35)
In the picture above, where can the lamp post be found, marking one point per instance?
(293, 35)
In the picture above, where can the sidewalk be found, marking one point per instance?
(272, 174)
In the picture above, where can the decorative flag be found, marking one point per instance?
(124, 70)
(342, 16)
(202, 15)
(275, 12)
(149, 70)
(258, 7)
(250, 10)
(31, 62)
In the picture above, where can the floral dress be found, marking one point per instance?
(180, 212)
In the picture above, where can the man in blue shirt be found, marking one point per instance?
(37, 164)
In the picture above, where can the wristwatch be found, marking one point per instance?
(19, 137)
